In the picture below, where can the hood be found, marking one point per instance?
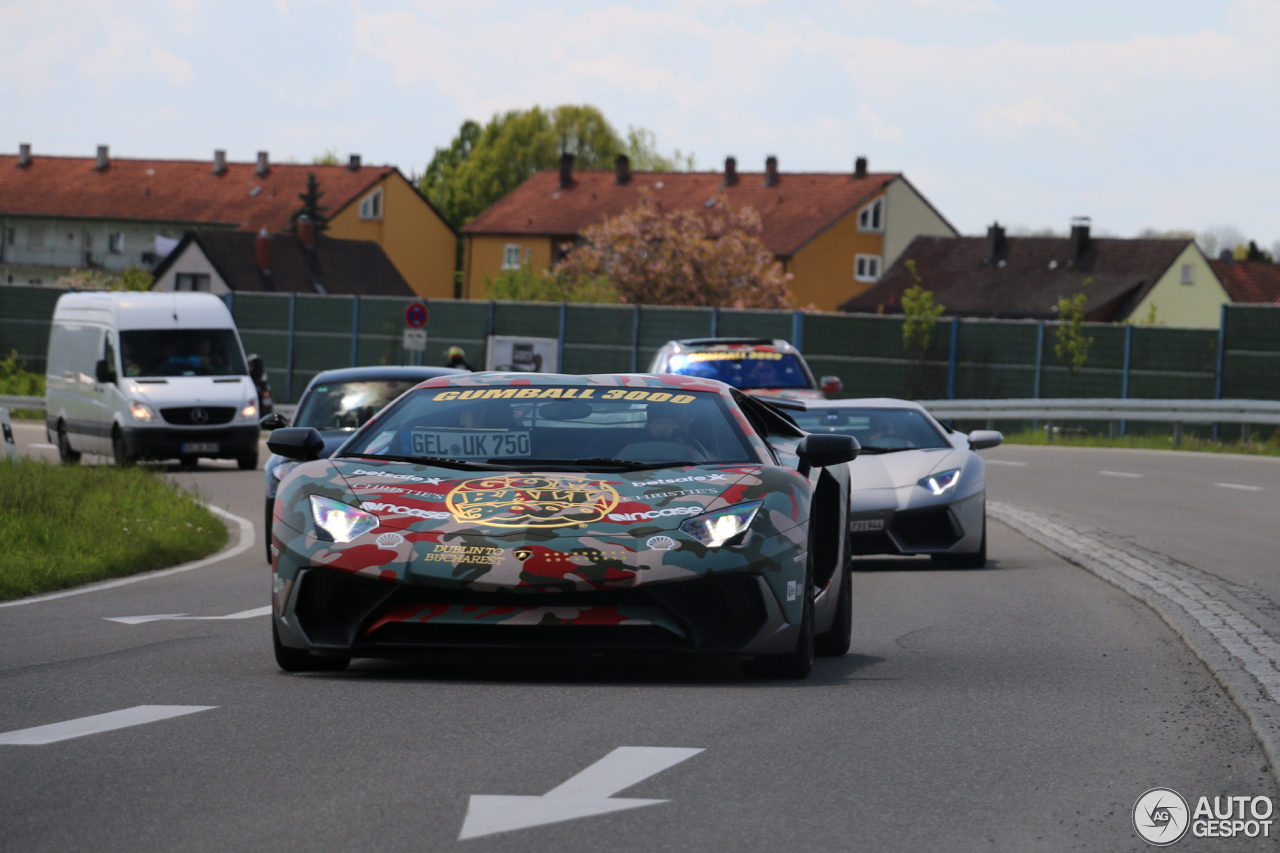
(904, 468)
(787, 393)
(191, 390)
(406, 496)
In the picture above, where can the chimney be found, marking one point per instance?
(860, 167)
(566, 170)
(995, 243)
(770, 170)
(219, 161)
(104, 159)
(730, 171)
(264, 165)
(1079, 236)
(24, 155)
(306, 231)
(623, 167)
(262, 251)
(1227, 256)
(353, 164)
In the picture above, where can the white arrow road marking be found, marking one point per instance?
(138, 620)
(135, 716)
(586, 794)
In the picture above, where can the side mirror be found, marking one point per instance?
(103, 372)
(981, 439)
(256, 368)
(301, 443)
(831, 385)
(274, 421)
(819, 450)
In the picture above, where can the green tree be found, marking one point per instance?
(1072, 347)
(920, 316)
(642, 151)
(311, 206)
(328, 158)
(527, 285)
(134, 278)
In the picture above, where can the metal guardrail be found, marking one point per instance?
(1109, 409)
(37, 403)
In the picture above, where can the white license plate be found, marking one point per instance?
(866, 524)
(465, 444)
(200, 447)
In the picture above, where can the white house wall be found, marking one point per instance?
(908, 216)
(1177, 304)
(192, 261)
(39, 251)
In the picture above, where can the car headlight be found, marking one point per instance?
(713, 529)
(283, 468)
(940, 484)
(250, 410)
(339, 522)
(142, 412)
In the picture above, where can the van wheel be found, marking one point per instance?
(248, 463)
(119, 450)
(65, 453)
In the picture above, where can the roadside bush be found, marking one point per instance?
(18, 382)
(63, 526)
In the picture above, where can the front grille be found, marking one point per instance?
(873, 542)
(925, 529)
(213, 415)
(332, 604)
(715, 613)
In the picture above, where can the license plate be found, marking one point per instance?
(200, 447)
(470, 445)
(866, 524)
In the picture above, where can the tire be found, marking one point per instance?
(188, 461)
(976, 560)
(835, 643)
(65, 453)
(248, 463)
(301, 660)
(795, 664)
(119, 450)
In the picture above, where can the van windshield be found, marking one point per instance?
(181, 352)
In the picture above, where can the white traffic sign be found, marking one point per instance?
(414, 340)
(586, 794)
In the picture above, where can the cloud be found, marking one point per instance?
(179, 73)
(1010, 119)
(880, 129)
(956, 7)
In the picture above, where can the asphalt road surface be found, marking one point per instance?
(1021, 707)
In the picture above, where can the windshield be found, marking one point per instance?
(744, 368)
(347, 405)
(181, 352)
(533, 426)
(877, 430)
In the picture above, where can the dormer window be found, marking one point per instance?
(871, 217)
(371, 206)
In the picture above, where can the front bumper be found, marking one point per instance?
(168, 442)
(948, 527)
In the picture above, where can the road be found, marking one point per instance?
(1021, 707)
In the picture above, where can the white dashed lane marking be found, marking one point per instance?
(1005, 462)
(1124, 474)
(1238, 487)
(135, 716)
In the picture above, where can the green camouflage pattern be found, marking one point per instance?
(545, 532)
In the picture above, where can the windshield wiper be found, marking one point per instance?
(438, 461)
(871, 448)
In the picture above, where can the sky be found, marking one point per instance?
(1138, 113)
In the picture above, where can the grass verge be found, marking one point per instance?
(1257, 447)
(63, 526)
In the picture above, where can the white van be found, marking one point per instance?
(149, 376)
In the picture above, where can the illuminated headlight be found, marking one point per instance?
(283, 468)
(340, 522)
(250, 410)
(713, 529)
(142, 412)
(940, 484)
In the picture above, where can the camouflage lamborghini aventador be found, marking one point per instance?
(550, 513)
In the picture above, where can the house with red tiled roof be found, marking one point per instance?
(1162, 281)
(1248, 281)
(833, 232)
(104, 212)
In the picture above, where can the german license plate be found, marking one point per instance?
(200, 447)
(865, 524)
(470, 445)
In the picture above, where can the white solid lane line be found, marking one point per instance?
(138, 620)
(1125, 474)
(1238, 486)
(135, 716)
(44, 446)
(1006, 462)
(246, 542)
